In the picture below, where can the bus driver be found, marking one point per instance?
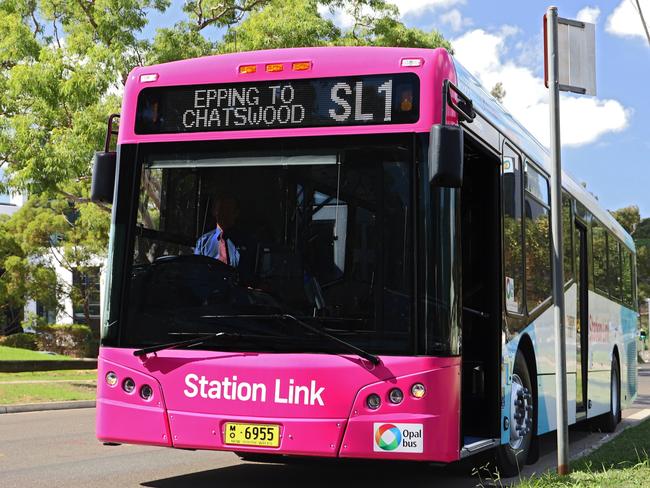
(216, 243)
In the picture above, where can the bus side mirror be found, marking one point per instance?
(446, 156)
(103, 182)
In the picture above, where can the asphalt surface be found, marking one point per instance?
(58, 449)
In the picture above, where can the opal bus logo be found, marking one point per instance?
(388, 437)
(398, 437)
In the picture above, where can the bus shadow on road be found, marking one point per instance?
(324, 474)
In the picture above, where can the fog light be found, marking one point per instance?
(146, 392)
(128, 385)
(111, 379)
(418, 390)
(395, 396)
(373, 401)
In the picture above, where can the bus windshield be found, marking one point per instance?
(230, 239)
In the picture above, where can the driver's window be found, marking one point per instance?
(166, 218)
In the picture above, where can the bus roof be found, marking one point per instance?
(436, 65)
(512, 129)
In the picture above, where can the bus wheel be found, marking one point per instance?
(511, 457)
(609, 421)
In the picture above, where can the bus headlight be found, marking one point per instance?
(395, 396)
(373, 401)
(111, 378)
(418, 390)
(128, 385)
(146, 392)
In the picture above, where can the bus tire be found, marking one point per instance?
(512, 456)
(609, 421)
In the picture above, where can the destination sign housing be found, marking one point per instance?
(321, 102)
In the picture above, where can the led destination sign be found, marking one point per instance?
(322, 102)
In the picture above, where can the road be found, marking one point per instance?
(58, 449)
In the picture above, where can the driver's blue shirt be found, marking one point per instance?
(208, 245)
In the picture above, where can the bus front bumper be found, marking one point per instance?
(424, 429)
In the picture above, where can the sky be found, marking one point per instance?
(606, 138)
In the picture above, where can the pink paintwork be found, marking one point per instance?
(437, 66)
(342, 426)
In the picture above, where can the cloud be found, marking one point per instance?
(584, 120)
(589, 14)
(625, 20)
(455, 20)
(344, 19)
(407, 7)
(339, 16)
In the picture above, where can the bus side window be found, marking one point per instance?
(538, 238)
(599, 253)
(512, 231)
(614, 268)
(627, 257)
(567, 235)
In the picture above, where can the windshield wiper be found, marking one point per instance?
(200, 337)
(285, 316)
(189, 342)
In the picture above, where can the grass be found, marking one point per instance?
(73, 374)
(16, 354)
(58, 386)
(621, 463)
(45, 392)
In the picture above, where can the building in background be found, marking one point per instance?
(9, 204)
(71, 313)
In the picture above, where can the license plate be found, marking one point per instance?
(264, 435)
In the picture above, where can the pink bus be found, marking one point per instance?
(344, 252)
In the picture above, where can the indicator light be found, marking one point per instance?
(128, 385)
(146, 392)
(301, 65)
(373, 401)
(412, 62)
(395, 396)
(247, 69)
(418, 390)
(148, 78)
(111, 378)
(275, 67)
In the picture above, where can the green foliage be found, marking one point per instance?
(643, 271)
(22, 341)
(62, 68)
(628, 217)
(282, 23)
(297, 23)
(69, 340)
(643, 229)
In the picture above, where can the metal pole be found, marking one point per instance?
(556, 224)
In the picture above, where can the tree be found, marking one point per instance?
(62, 68)
(498, 92)
(628, 217)
(44, 235)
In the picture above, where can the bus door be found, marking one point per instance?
(582, 322)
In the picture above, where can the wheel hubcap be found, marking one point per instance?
(521, 412)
